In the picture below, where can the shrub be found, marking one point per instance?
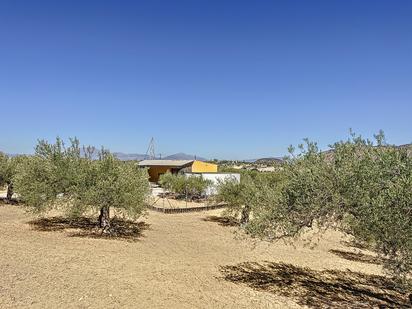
(173, 183)
(244, 197)
(185, 186)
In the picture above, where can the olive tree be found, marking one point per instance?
(8, 167)
(245, 197)
(375, 188)
(67, 177)
(193, 186)
(109, 183)
(47, 179)
(172, 183)
(361, 187)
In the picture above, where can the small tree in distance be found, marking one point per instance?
(7, 172)
(245, 197)
(192, 186)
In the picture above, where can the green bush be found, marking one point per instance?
(248, 196)
(173, 183)
(184, 186)
(196, 185)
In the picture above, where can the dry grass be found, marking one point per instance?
(191, 260)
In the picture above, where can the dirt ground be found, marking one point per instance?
(193, 260)
(174, 203)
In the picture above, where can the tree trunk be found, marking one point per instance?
(244, 219)
(104, 219)
(10, 192)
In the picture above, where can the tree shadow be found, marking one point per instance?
(356, 244)
(89, 228)
(319, 289)
(13, 201)
(223, 221)
(358, 257)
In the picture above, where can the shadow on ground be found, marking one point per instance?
(4, 200)
(224, 221)
(319, 289)
(358, 257)
(357, 244)
(88, 227)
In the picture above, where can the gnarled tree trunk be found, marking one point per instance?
(104, 219)
(10, 191)
(244, 219)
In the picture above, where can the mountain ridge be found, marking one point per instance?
(137, 156)
(184, 156)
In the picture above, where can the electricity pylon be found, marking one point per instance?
(150, 153)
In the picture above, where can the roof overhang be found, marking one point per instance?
(166, 163)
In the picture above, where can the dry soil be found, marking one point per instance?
(177, 263)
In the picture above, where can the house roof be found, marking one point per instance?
(171, 163)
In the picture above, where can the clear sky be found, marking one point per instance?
(226, 79)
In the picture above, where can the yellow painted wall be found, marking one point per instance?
(196, 167)
(203, 167)
(156, 171)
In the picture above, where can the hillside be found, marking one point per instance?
(129, 156)
(270, 160)
(183, 156)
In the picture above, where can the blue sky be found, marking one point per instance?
(225, 79)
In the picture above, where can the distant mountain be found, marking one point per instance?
(11, 155)
(138, 156)
(408, 146)
(249, 160)
(270, 160)
(129, 156)
(183, 156)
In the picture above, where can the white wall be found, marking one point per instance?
(215, 178)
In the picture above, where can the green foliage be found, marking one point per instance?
(360, 187)
(196, 185)
(5, 170)
(8, 171)
(173, 183)
(59, 176)
(8, 168)
(49, 178)
(376, 191)
(307, 195)
(108, 182)
(191, 186)
(249, 194)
